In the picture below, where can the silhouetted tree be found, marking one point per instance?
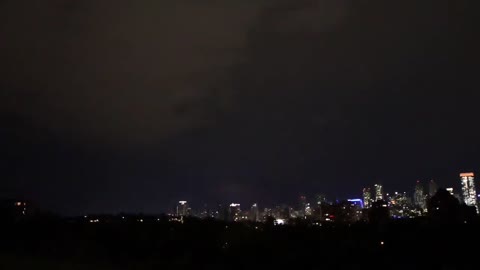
(443, 207)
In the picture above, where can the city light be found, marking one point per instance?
(357, 201)
(468, 189)
(279, 221)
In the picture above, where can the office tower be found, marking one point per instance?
(308, 210)
(367, 198)
(182, 208)
(468, 189)
(419, 196)
(378, 192)
(234, 212)
(432, 188)
(254, 215)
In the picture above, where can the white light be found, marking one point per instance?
(279, 221)
(382, 243)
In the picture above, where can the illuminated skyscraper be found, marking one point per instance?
(432, 188)
(468, 189)
(367, 198)
(254, 215)
(308, 210)
(234, 212)
(182, 208)
(378, 192)
(419, 196)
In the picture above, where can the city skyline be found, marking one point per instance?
(417, 197)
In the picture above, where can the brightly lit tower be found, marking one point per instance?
(367, 198)
(468, 189)
(182, 208)
(378, 192)
(419, 196)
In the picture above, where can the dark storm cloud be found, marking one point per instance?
(335, 95)
(119, 71)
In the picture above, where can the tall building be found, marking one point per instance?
(182, 209)
(419, 196)
(367, 198)
(468, 189)
(308, 210)
(432, 188)
(254, 215)
(234, 212)
(378, 192)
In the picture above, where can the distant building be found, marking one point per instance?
(367, 198)
(401, 206)
(378, 192)
(419, 196)
(468, 189)
(182, 209)
(284, 212)
(349, 211)
(308, 210)
(432, 188)
(14, 210)
(267, 212)
(254, 213)
(234, 212)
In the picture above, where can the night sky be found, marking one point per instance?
(121, 105)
